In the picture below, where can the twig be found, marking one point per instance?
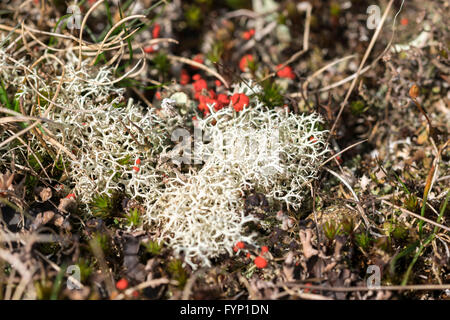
(201, 66)
(360, 209)
(377, 288)
(363, 61)
(150, 283)
(415, 215)
(340, 152)
(80, 41)
(111, 31)
(317, 73)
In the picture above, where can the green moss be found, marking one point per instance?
(119, 105)
(358, 107)
(400, 233)
(411, 203)
(347, 226)
(193, 16)
(125, 161)
(43, 102)
(271, 94)
(86, 268)
(153, 247)
(162, 63)
(281, 19)
(363, 240)
(335, 9)
(34, 162)
(31, 182)
(133, 218)
(331, 230)
(102, 206)
(177, 271)
(216, 52)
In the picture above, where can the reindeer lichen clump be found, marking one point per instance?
(111, 145)
(272, 151)
(106, 134)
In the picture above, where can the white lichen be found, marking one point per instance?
(273, 151)
(119, 146)
(201, 214)
(201, 217)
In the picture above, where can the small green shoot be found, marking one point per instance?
(331, 230)
(102, 206)
(177, 271)
(162, 63)
(363, 240)
(271, 94)
(133, 218)
(153, 247)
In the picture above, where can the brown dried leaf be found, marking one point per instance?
(6, 180)
(288, 267)
(423, 137)
(67, 204)
(414, 91)
(305, 239)
(42, 218)
(59, 220)
(45, 194)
